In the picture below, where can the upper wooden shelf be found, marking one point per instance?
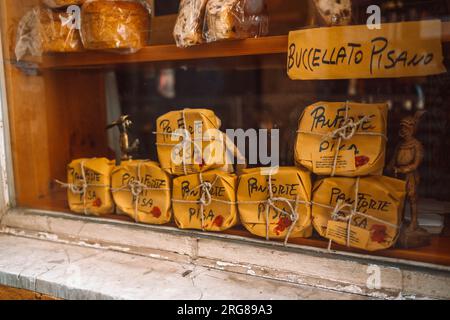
(234, 48)
(157, 53)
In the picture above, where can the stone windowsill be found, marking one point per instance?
(311, 267)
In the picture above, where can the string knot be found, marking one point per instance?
(75, 188)
(136, 188)
(206, 198)
(347, 130)
(340, 205)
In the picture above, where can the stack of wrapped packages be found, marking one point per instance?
(57, 26)
(342, 144)
(137, 188)
(193, 150)
(201, 21)
(352, 203)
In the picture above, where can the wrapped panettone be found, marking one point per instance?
(188, 29)
(189, 141)
(235, 19)
(205, 201)
(62, 3)
(141, 190)
(88, 186)
(42, 30)
(342, 138)
(334, 12)
(363, 212)
(275, 204)
(118, 25)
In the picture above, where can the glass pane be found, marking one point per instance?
(60, 103)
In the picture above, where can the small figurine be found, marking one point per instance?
(124, 124)
(407, 159)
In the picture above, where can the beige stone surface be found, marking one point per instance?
(297, 265)
(73, 272)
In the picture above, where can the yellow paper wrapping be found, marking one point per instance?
(283, 197)
(88, 185)
(203, 151)
(205, 201)
(342, 138)
(371, 223)
(141, 190)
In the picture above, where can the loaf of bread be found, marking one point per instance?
(334, 12)
(121, 25)
(62, 3)
(42, 30)
(235, 19)
(189, 25)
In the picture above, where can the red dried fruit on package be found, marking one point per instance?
(378, 233)
(218, 221)
(282, 224)
(361, 160)
(156, 212)
(97, 203)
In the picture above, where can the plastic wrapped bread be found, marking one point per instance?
(235, 19)
(119, 25)
(334, 12)
(42, 30)
(189, 25)
(62, 3)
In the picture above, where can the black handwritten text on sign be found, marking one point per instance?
(404, 49)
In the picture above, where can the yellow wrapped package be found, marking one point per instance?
(342, 138)
(88, 184)
(276, 204)
(363, 213)
(141, 190)
(189, 141)
(205, 201)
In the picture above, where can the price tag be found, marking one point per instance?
(337, 231)
(323, 162)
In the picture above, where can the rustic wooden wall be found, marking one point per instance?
(55, 116)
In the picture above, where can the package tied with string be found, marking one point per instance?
(363, 212)
(88, 186)
(141, 190)
(275, 204)
(205, 201)
(342, 138)
(189, 141)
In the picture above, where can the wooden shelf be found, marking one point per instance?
(232, 48)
